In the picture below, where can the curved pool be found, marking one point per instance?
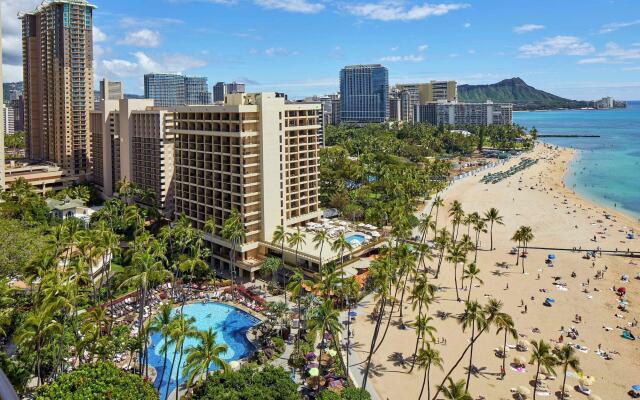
(229, 322)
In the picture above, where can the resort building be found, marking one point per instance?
(413, 94)
(57, 46)
(364, 94)
(131, 140)
(255, 153)
(222, 89)
(171, 90)
(454, 113)
(43, 177)
(8, 120)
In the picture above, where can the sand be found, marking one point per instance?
(558, 218)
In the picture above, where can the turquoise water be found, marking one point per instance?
(231, 324)
(355, 240)
(607, 168)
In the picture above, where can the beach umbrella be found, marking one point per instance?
(519, 360)
(311, 356)
(635, 388)
(551, 257)
(550, 300)
(622, 290)
(523, 391)
(587, 380)
(353, 314)
(314, 372)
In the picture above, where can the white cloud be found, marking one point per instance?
(594, 60)
(557, 45)
(527, 28)
(133, 22)
(407, 58)
(11, 73)
(142, 38)
(614, 26)
(393, 10)
(423, 47)
(99, 35)
(275, 51)
(300, 6)
(12, 33)
(144, 64)
(467, 25)
(620, 53)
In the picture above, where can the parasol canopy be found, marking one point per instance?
(314, 372)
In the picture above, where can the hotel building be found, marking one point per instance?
(222, 89)
(413, 94)
(256, 153)
(454, 113)
(171, 90)
(131, 140)
(57, 45)
(364, 94)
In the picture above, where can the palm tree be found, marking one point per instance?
(437, 203)
(296, 239)
(456, 213)
(567, 357)
(517, 237)
(422, 294)
(457, 255)
(350, 290)
(319, 239)
(280, 236)
(233, 231)
(340, 245)
(479, 226)
(493, 216)
(442, 241)
(455, 391)
(271, 266)
(134, 218)
(424, 225)
(472, 272)
(491, 312)
(527, 236)
(325, 318)
(161, 323)
(35, 332)
(474, 317)
(297, 285)
(201, 356)
(427, 358)
(181, 329)
(505, 324)
(210, 227)
(542, 357)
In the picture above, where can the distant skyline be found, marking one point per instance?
(573, 48)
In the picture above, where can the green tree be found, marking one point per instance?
(455, 391)
(567, 357)
(542, 356)
(426, 358)
(457, 255)
(280, 236)
(233, 230)
(325, 318)
(202, 356)
(493, 216)
(505, 325)
(162, 323)
(471, 273)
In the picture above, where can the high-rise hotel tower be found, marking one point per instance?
(57, 46)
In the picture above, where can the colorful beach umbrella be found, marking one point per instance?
(314, 372)
(550, 300)
(635, 388)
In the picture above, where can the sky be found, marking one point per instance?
(581, 49)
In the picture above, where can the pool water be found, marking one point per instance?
(229, 322)
(355, 239)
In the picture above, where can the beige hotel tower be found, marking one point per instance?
(57, 46)
(256, 153)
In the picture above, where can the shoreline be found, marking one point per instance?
(536, 197)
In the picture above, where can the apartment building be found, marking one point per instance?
(256, 153)
(455, 113)
(412, 94)
(171, 90)
(131, 140)
(111, 90)
(57, 45)
(364, 94)
(8, 119)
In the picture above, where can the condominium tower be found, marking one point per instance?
(364, 94)
(57, 46)
(454, 113)
(412, 94)
(222, 89)
(171, 90)
(257, 154)
(131, 141)
(111, 90)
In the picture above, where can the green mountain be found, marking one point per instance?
(516, 91)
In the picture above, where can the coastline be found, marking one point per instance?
(536, 197)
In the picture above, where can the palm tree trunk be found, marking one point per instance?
(455, 277)
(535, 383)
(518, 254)
(470, 286)
(491, 235)
(475, 256)
(404, 287)
(140, 315)
(415, 350)
(424, 381)
(164, 363)
(504, 355)
(564, 381)
(524, 244)
(435, 396)
(429, 381)
(285, 272)
(439, 264)
(178, 369)
(473, 331)
(386, 329)
(173, 362)
(373, 342)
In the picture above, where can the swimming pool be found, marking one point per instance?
(355, 239)
(230, 322)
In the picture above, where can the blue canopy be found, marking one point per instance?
(552, 257)
(353, 314)
(550, 300)
(636, 388)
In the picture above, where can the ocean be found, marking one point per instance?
(607, 169)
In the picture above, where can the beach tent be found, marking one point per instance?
(314, 372)
(550, 300)
(621, 290)
(635, 388)
(551, 257)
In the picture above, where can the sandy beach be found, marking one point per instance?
(535, 197)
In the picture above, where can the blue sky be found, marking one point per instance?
(581, 49)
